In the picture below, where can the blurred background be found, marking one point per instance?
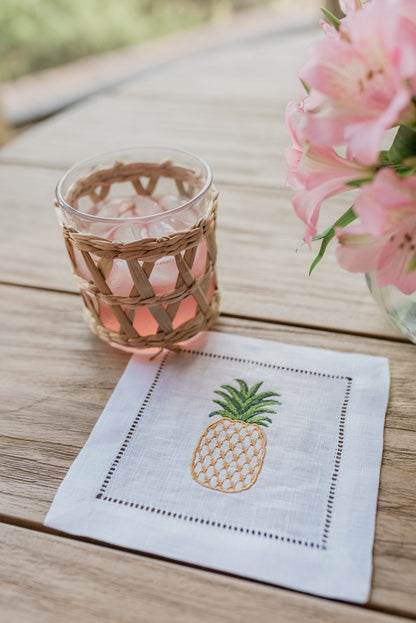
(36, 35)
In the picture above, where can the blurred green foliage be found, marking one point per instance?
(38, 34)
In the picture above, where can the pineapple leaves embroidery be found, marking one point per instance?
(230, 452)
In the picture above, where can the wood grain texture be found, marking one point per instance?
(41, 574)
(257, 74)
(58, 377)
(244, 142)
(260, 273)
(228, 106)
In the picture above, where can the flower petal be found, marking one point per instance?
(358, 250)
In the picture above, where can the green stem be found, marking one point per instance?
(329, 233)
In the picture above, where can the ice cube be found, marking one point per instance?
(160, 228)
(164, 275)
(200, 261)
(183, 220)
(101, 229)
(176, 222)
(145, 206)
(82, 269)
(125, 207)
(129, 232)
(170, 202)
(119, 280)
(110, 208)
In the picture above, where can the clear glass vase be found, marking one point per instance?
(399, 307)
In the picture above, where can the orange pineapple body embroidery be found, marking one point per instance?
(230, 452)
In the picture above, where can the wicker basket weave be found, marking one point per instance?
(140, 256)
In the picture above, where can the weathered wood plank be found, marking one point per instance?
(47, 578)
(243, 138)
(246, 142)
(31, 244)
(57, 377)
(263, 72)
(260, 273)
(228, 106)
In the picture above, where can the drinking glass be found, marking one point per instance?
(139, 228)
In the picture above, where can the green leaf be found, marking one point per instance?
(253, 390)
(221, 403)
(345, 216)
(257, 398)
(329, 233)
(263, 403)
(404, 171)
(236, 404)
(334, 21)
(383, 158)
(244, 404)
(267, 394)
(235, 395)
(243, 387)
(359, 183)
(219, 412)
(259, 420)
(325, 243)
(412, 265)
(229, 407)
(403, 146)
(255, 410)
(305, 86)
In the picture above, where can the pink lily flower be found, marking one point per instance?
(360, 79)
(385, 241)
(315, 173)
(408, 39)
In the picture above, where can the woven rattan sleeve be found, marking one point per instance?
(141, 256)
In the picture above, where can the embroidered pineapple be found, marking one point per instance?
(230, 451)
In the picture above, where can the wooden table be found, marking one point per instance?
(228, 106)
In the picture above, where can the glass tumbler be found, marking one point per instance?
(139, 227)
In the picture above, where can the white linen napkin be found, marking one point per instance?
(292, 503)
